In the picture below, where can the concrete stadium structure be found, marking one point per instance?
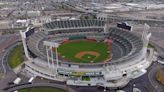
(130, 57)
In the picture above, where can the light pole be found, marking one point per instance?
(48, 56)
(56, 45)
(24, 36)
(51, 45)
(52, 57)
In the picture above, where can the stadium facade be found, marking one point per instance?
(130, 56)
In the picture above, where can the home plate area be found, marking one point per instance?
(87, 56)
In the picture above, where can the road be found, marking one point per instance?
(41, 85)
(6, 43)
(7, 74)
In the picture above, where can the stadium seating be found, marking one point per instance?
(129, 43)
(73, 24)
(33, 43)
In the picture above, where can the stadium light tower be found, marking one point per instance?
(51, 45)
(24, 35)
(56, 45)
(146, 37)
(105, 28)
(107, 25)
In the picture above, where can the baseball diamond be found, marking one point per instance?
(84, 51)
(87, 55)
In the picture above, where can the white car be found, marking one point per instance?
(160, 61)
(17, 80)
(120, 91)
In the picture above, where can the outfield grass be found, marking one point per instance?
(70, 49)
(41, 89)
(15, 57)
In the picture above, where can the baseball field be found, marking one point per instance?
(84, 51)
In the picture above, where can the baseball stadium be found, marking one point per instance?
(86, 53)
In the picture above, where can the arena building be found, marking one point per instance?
(50, 56)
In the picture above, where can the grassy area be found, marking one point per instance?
(160, 75)
(86, 78)
(152, 46)
(15, 57)
(88, 17)
(41, 89)
(70, 49)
